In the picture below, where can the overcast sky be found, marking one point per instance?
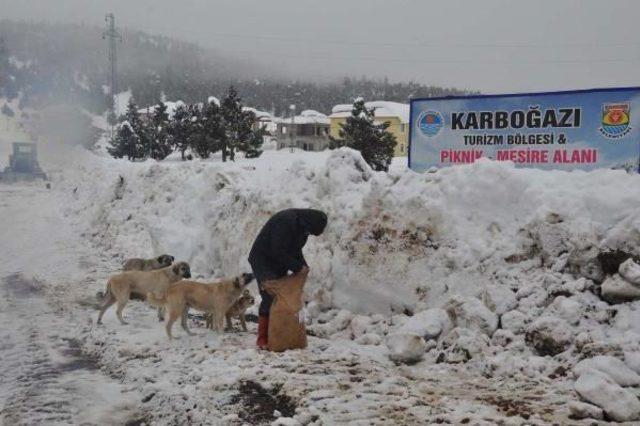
(490, 45)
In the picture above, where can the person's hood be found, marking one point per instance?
(313, 221)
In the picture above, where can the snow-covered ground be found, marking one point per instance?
(493, 268)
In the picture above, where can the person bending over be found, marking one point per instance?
(277, 251)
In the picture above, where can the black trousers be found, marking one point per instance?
(262, 275)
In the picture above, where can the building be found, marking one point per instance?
(263, 120)
(396, 114)
(308, 131)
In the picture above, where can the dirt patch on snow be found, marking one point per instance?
(258, 404)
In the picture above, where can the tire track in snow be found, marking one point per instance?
(29, 374)
(45, 377)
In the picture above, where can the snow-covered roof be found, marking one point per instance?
(381, 109)
(260, 115)
(308, 116)
(171, 108)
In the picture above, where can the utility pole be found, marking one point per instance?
(292, 135)
(111, 35)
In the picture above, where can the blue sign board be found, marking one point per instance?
(582, 129)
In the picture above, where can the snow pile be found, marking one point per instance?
(599, 389)
(406, 347)
(623, 286)
(500, 268)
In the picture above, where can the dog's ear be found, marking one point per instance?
(236, 282)
(176, 269)
(172, 258)
(160, 259)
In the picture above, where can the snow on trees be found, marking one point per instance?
(361, 133)
(204, 130)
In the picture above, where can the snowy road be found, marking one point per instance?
(45, 376)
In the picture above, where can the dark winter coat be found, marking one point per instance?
(278, 247)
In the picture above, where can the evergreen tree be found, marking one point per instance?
(125, 143)
(372, 140)
(179, 129)
(130, 140)
(239, 133)
(141, 131)
(6, 110)
(210, 131)
(250, 139)
(159, 140)
(231, 110)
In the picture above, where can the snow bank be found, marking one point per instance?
(482, 264)
(395, 241)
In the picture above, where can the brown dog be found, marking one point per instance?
(137, 264)
(213, 298)
(121, 286)
(236, 310)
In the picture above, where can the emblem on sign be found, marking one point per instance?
(615, 120)
(430, 123)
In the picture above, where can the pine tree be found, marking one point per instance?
(6, 110)
(159, 136)
(250, 140)
(125, 143)
(372, 140)
(179, 128)
(210, 131)
(239, 132)
(130, 137)
(231, 110)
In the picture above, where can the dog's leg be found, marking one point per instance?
(121, 304)
(208, 322)
(243, 322)
(173, 316)
(219, 318)
(183, 323)
(109, 300)
(160, 314)
(229, 323)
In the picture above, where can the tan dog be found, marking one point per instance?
(121, 286)
(236, 310)
(137, 264)
(212, 298)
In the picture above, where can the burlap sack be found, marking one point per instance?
(286, 331)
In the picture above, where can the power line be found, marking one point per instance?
(377, 59)
(318, 40)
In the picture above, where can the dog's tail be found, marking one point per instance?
(158, 302)
(102, 295)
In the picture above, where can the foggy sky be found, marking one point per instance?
(490, 45)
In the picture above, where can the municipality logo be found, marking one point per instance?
(615, 120)
(430, 123)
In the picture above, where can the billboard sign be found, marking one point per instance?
(583, 129)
